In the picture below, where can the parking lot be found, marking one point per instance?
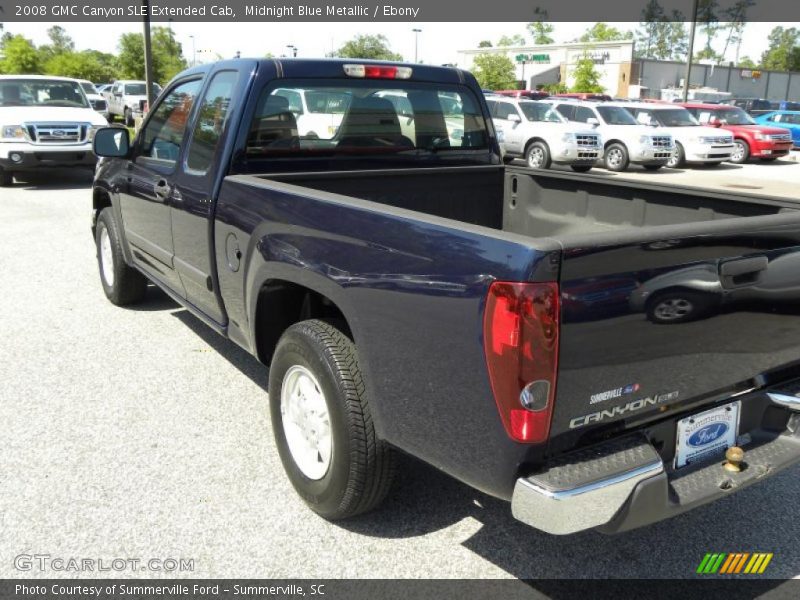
(141, 433)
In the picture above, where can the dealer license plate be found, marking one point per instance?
(706, 434)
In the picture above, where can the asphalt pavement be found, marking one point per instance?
(139, 433)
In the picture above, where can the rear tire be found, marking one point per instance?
(127, 118)
(6, 178)
(537, 156)
(678, 158)
(122, 284)
(323, 425)
(616, 157)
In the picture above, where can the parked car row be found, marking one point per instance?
(650, 134)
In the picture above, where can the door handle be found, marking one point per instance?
(162, 189)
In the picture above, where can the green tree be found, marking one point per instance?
(602, 32)
(168, 58)
(89, 64)
(587, 78)
(485, 44)
(495, 71)
(661, 36)
(783, 53)
(554, 88)
(540, 32)
(368, 46)
(747, 63)
(20, 56)
(60, 43)
(511, 40)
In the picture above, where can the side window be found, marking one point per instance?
(492, 108)
(567, 111)
(505, 110)
(583, 114)
(775, 118)
(211, 120)
(164, 133)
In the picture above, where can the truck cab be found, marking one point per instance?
(538, 133)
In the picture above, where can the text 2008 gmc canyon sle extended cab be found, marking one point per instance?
(586, 350)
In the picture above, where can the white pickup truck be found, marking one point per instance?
(626, 141)
(125, 99)
(539, 134)
(44, 122)
(694, 143)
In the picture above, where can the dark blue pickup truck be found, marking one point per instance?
(590, 351)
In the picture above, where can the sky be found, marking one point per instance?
(438, 42)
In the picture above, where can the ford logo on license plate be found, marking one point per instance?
(708, 434)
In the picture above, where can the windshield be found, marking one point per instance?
(674, 117)
(616, 115)
(135, 89)
(41, 92)
(539, 111)
(734, 116)
(88, 87)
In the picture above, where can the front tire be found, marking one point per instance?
(122, 284)
(678, 158)
(127, 118)
(616, 157)
(741, 152)
(537, 155)
(322, 422)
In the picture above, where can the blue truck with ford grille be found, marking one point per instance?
(602, 355)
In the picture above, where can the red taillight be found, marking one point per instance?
(520, 331)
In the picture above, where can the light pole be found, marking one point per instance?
(293, 48)
(194, 52)
(691, 50)
(416, 42)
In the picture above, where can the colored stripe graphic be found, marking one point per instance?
(734, 563)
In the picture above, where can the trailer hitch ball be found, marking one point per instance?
(733, 459)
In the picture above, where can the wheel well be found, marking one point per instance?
(281, 304)
(609, 142)
(533, 140)
(100, 200)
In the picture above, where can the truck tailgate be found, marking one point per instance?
(665, 320)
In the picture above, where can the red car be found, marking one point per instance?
(527, 94)
(751, 140)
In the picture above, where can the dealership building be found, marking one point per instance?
(622, 76)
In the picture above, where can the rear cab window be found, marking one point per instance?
(365, 118)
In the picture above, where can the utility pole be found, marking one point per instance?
(416, 43)
(691, 51)
(148, 56)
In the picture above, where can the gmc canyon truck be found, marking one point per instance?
(417, 295)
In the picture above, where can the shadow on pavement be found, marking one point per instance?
(55, 179)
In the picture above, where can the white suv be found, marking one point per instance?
(44, 122)
(694, 143)
(626, 141)
(536, 132)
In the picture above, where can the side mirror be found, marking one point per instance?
(112, 142)
(593, 122)
(514, 118)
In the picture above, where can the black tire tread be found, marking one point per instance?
(130, 286)
(373, 462)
